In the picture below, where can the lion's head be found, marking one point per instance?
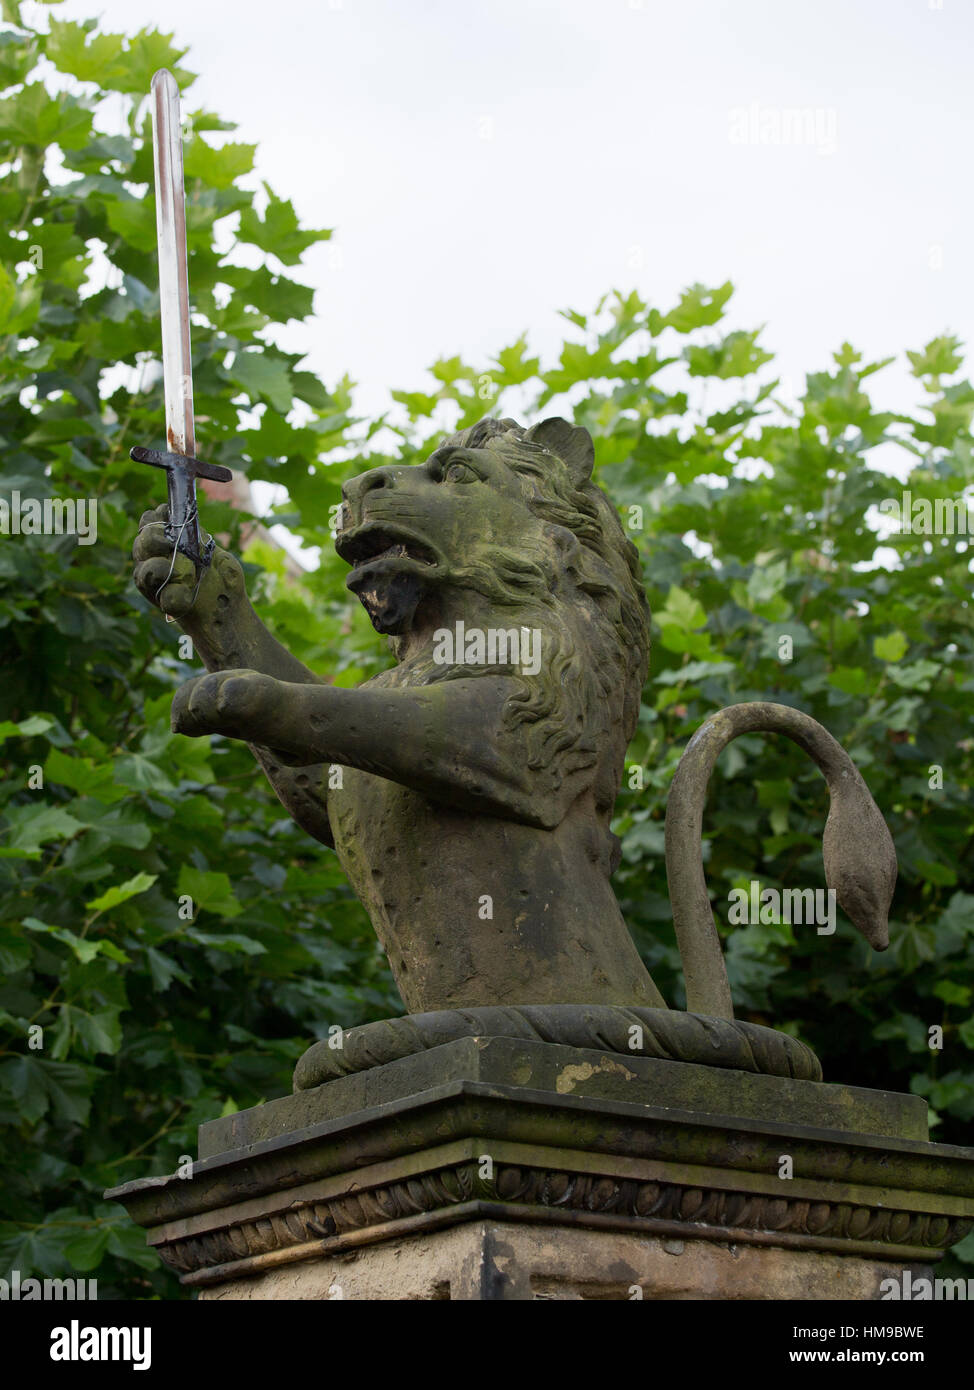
(503, 527)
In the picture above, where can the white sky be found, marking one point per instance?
(488, 162)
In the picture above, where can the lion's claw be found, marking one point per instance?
(235, 703)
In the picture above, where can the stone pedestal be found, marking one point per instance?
(527, 1260)
(500, 1168)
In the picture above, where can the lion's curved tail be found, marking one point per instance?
(860, 861)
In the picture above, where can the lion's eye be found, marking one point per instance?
(459, 473)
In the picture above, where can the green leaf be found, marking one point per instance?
(86, 1250)
(941, 357)
(210, 891)
(83, 775)
(8, 291)
(85, 950)
(737, 355)
(908, 1027)
(851, 680)
(127, 1242)
(261, 375)
(35, 118)
(148, 51)
(139, 773)
(891, 647)
(277, 296)
(31, 827)
(681, 610)
(163, 970)
(952, 993)
(26, 728)
(18, 52)
(942, 874)
(515, 367)
(67, 48)
(279, 231)
(134, 221)
(917, 675)
(122, 892)
(98, 1032)
(15, 953)
(698, 307)
(216, 168)
(38, 1086)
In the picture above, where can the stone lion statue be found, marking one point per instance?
(472, 815)
(468, 790)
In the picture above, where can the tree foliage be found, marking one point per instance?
(753, 517)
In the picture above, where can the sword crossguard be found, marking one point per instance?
(182, 471)
(194, 468)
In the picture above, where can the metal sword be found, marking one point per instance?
(182, 468)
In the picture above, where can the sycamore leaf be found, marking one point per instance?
(217, 168)
(681, 610)
(134, 220)
(86, 1250)
(67, 47)
(892, 646)
(27, 728)
(83, 775)
(698, 307)
(261, 375)
(279, 231)
(33, 117)
(38, 1085)
(34, 826)
(209, 891)
(148, 51)
(100, 1031)
(85, 950)
(122, 892)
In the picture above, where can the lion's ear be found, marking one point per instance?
(571, 443)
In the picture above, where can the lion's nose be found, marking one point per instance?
(355, 490)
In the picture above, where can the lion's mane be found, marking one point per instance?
(578, 579)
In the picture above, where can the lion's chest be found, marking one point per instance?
(383, 831)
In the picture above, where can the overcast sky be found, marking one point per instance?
(488, 162)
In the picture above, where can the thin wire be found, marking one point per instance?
(190, 516)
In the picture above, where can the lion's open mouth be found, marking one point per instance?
(373, 542)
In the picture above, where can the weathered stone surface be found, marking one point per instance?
(580, 1072)
(502, 1260)
(529, 1132)
(483, 778)
(860, 858)
(669, 1034)
(473, 812)
(472, 817)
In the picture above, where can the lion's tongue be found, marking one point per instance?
(389, 598)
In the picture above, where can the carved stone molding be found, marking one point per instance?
(456, 1192)
(521, 1131)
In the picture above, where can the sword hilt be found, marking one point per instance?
(181, 473)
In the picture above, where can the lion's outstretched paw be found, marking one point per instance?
(235, 703)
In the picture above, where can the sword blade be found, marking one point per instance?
(177, 365)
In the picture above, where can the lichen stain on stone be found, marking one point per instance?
(569, 1077)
